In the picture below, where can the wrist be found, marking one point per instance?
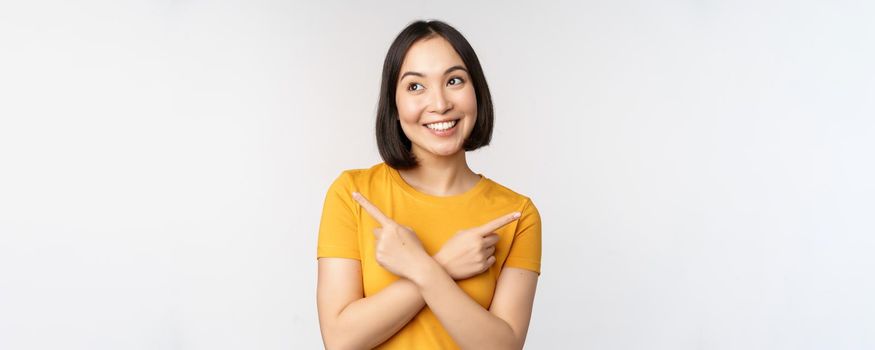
(439, 259)
(426, 269)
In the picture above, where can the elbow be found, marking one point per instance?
(336, 344)
(336, 334)
(517, 341)
(336, 341)
(520, 342)
(515, 345)
(329, 339)
(333, 342)
(511, 342)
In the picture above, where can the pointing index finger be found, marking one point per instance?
(372, 209)
(496, 224)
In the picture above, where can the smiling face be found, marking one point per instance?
(437, 104)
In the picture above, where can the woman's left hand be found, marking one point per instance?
(398, 249)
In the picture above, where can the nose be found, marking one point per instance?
(439, 102)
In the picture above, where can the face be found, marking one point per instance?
(437, 105)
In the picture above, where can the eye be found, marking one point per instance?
(457, 81)
(414, 87)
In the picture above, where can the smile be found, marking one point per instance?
(444, 128)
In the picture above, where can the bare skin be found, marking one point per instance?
(469, 324)
(429, 91)
(438, 88)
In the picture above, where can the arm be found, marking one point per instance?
(503, 326)
(399, 251)
(347, 319)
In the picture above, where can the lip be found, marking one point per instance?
(445, 133)
(441, 121)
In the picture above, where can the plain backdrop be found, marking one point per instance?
(704, 169)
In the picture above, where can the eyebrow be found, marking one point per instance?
(445, 72)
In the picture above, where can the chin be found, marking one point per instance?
(441, 150)
(446, 153)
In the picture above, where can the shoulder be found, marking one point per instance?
(529, 223)
(338, 195)
(502, 193)
(358, 177)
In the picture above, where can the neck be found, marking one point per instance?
(440, 175)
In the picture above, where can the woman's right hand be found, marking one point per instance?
(470, 252)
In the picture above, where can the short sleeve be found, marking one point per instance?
(525, 250)
(338, 227)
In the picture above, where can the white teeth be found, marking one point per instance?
(442, 126)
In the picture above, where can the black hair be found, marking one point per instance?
(394, 146)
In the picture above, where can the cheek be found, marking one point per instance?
(408, 109)
(468, 103)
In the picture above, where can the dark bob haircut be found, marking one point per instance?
(394, 146)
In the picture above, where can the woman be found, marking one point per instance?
(420, 252)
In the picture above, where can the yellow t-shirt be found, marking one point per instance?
(346, 231)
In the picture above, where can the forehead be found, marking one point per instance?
(431, 56)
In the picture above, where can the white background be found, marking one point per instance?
(704, 169)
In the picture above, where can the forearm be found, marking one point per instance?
(469, 324)
(367, 322)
